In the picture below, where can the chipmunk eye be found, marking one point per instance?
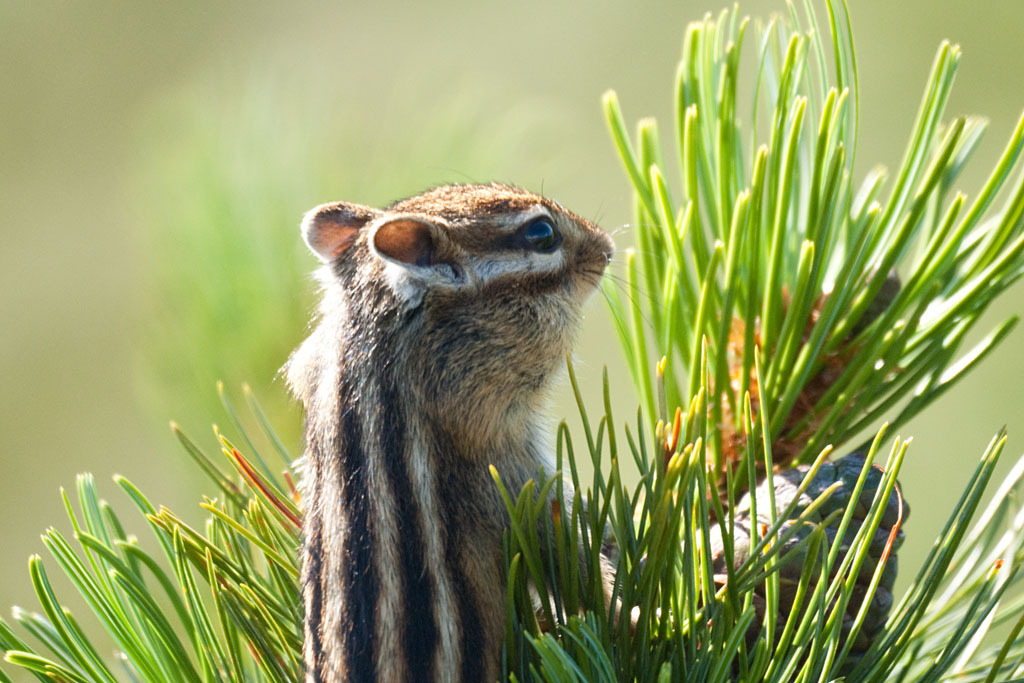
(540, 235)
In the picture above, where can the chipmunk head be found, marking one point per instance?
(479, 286)
(463, 240)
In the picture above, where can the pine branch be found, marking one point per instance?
(781, 327)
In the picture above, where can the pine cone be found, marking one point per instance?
(845, 471)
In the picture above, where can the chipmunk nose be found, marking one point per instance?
(609, 247)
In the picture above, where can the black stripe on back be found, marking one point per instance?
(472, 645)
(360, 579)
(420, 630)
(473, 653)
(313, 578)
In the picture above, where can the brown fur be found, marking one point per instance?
(430, 361)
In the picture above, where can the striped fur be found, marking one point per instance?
(413, 385)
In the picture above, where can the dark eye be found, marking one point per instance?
(540, 235)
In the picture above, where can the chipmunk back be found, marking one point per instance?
(444, 319)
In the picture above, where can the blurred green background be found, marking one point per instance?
(150, 145)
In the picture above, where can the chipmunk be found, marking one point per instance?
(444, 320)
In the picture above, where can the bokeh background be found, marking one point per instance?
(155, 159)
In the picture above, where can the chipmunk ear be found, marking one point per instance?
(329, 229)
(406, 240)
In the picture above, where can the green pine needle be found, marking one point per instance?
(763, 282)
